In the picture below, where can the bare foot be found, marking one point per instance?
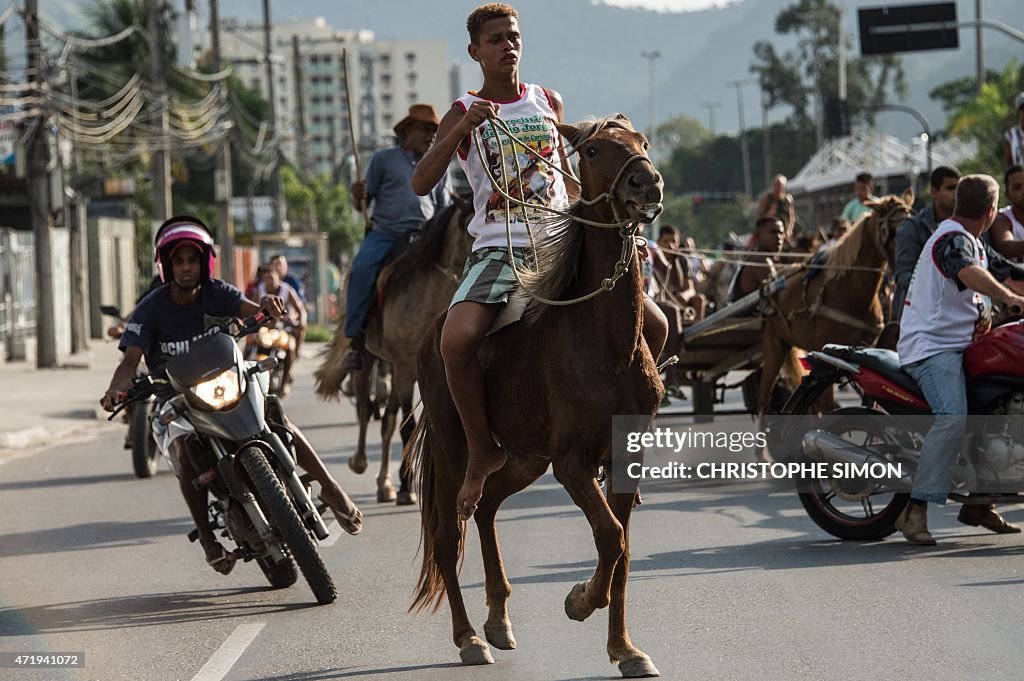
(217, 557)
(348, 514)
(481, 464)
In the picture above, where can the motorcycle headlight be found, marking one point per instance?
(267, 337)
(221, 391)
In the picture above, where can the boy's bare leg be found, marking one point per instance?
(196, 501)
(331, 493)
(463, 332)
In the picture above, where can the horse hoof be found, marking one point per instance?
(576, 607)
(358, 464)
(474, 651)
(386, 494)
(406, 499)
(638, 668)
(500, 636)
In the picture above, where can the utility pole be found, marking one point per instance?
(39, 203)
(302, 151)
(979, 52)
(766, 138)
(275, 174)
(222, 185)
(711, 106)
(160, 163)
(747, 185)
(77, 219)
(651, 57)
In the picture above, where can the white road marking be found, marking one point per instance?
(335, 531)
(218, 666)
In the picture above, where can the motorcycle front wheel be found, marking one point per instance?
(849, 511)
(280, 575)
(285, 520)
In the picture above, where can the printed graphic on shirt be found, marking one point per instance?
(180, 347)
(529, 179)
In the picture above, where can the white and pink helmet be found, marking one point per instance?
(179, 231)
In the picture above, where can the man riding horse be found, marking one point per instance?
(397, 212)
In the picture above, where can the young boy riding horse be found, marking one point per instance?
(488, 279)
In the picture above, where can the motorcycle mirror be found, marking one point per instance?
(111, 310)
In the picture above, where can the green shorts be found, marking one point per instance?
(488, 277)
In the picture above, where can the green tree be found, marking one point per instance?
(984, 117)
(323, 205)
(809, 74)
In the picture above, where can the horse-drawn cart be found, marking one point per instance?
(728, 340)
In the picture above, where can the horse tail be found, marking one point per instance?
(792, 369)
(329, 376)
(420, 454)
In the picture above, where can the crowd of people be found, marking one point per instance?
(409, 183)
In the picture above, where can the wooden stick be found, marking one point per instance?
(352, 133)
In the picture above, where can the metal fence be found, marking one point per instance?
(17, 292)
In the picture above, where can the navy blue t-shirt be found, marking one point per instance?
(164, 329)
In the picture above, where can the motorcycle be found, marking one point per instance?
(278, 341)
(145, 455)
(244, 456)
(889, 428)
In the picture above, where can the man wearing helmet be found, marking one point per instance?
(164, 324)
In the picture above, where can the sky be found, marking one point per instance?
(668, 5)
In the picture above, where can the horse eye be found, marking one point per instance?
(646, 145)
(591, 152)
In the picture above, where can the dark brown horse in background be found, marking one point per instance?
(415, 286)
(838, 305)
(554, 381)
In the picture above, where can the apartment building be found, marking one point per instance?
(308, 62)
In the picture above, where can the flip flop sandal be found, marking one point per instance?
(348, 522)
(225, 555)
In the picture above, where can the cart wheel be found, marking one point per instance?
(703, 402)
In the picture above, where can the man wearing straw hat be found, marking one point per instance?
(397, 210)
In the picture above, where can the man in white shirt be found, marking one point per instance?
(947, 308)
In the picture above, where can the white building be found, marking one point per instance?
(386, 77)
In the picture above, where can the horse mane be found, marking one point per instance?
(843, 254)
(420, 254)
(555, 265)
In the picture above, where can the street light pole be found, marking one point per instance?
(711, 106)
(747, 184)
(979, 56)
(651, 56)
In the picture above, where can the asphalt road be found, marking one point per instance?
(729, 586)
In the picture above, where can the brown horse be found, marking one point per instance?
(554, 380)
(416, 286)
(839, 304)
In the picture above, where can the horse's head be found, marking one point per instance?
(614, 168)
(888, 213)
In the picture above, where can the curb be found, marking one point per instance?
(39, 436)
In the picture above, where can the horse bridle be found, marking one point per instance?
(627, 228)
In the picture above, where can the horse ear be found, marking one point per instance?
(569, 132)
(908, 197)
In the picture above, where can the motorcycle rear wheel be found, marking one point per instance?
(825, 504)
(283, 517)
(145, 459)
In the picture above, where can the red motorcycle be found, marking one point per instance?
(890, 426)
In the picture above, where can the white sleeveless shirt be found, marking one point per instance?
(531, 118)
(937, 316)
(1015, 224)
